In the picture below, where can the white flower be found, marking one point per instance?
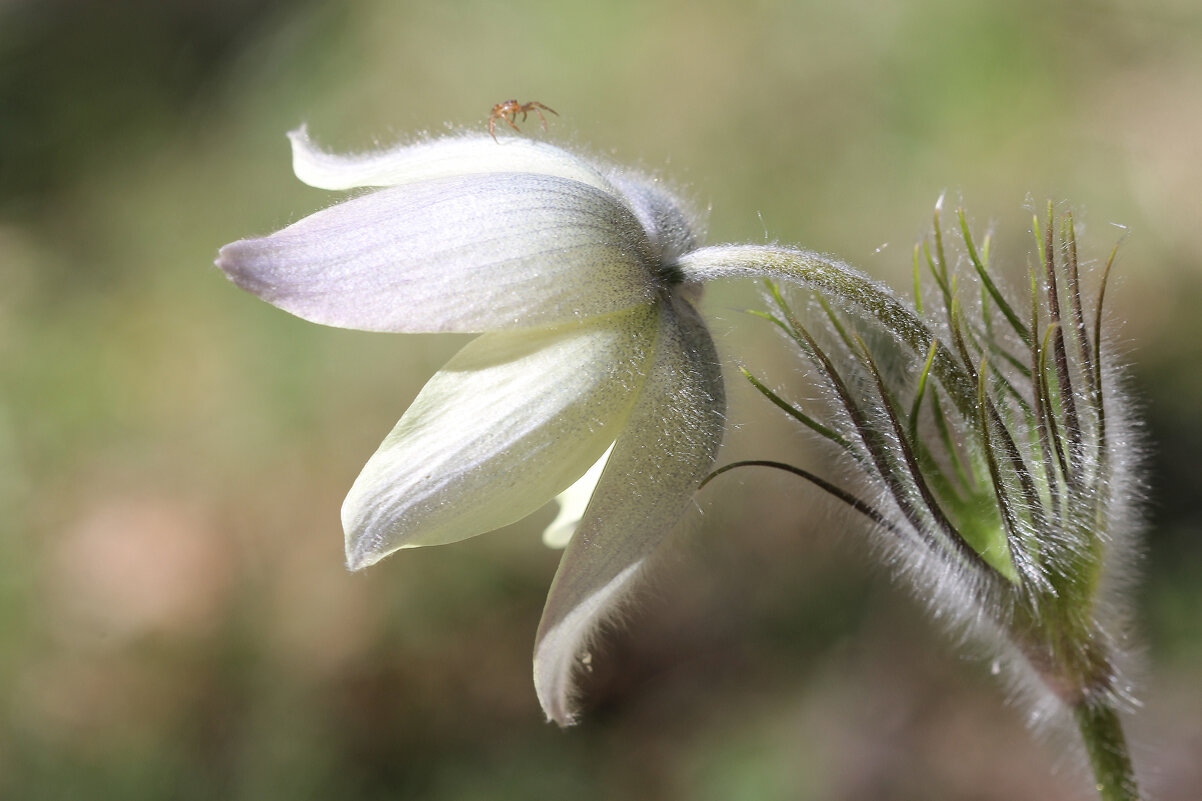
(589, 339)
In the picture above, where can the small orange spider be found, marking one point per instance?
(509, 110)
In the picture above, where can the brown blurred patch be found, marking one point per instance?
(133, 566)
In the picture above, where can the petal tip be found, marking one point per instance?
(225, 260)
(357, 559)
(554, 685)
(570, 623)
(563, 719)
(303, 149)
(361, 552)
(234, 261)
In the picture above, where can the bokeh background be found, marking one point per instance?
(175, 620)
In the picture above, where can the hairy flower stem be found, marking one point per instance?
(1107, 748)
(1076, 666)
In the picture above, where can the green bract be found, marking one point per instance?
(994, 448)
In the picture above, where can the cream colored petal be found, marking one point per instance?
(509, 422)
(668, 446)
(473, 253)
(572, 503)
(448, 157)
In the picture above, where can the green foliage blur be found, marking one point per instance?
(175, 620)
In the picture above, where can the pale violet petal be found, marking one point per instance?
(572, 503)
(511, 421)
(668, 446)
(438, 158)
(470, 254)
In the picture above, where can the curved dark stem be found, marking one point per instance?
(863, 507)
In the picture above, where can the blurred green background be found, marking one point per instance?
(175, 620)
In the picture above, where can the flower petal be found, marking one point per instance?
(439, 158)
(509, 422)
(470, 254)
(669, 444)
(572, 503)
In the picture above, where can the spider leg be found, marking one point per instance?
(534, 106)
(509, 118)
(492, 127)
